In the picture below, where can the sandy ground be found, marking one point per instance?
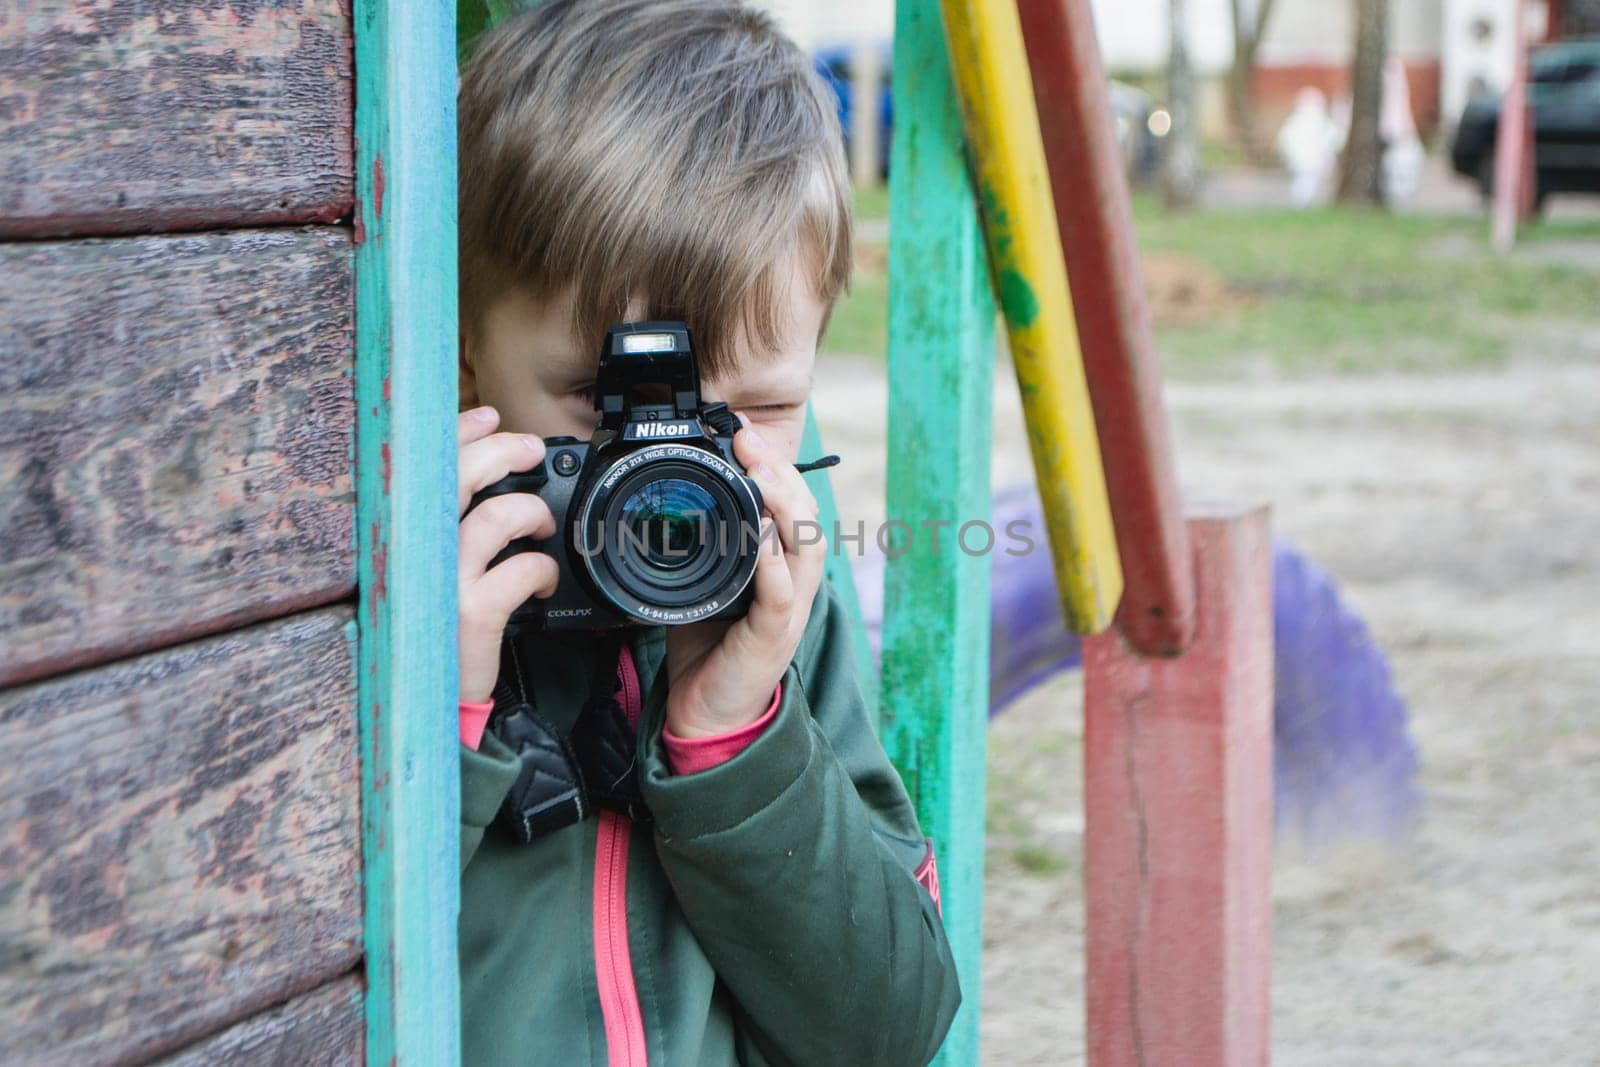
(1461, 515)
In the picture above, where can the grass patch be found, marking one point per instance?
(1003, 820)
(872, 202)
(1349, 291)
(1036, 859)
(860, 323)
(1315, 292)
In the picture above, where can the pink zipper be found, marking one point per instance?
(619, 999)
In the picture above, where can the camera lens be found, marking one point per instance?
(670, 534)
(664, 527)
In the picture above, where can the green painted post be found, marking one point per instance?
(934, 699)
(406, 346)
(838, 565)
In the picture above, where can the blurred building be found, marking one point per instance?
(1450, 48)
(1478, 42)
(823, 23)
(1308, 43)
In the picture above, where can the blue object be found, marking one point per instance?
(833, 64)
(1344, 763)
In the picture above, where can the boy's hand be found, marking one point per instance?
(487, 599)
(721, 674)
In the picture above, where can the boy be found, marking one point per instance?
(756, 888)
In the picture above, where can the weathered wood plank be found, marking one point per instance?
(180, 839)
(175, 424)
(120, 117)
(320, 1029)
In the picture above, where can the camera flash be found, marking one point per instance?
(638, 343)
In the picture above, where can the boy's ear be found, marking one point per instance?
(468, 378)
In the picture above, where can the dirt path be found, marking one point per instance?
(1461, 516)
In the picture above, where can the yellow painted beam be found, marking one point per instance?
(1030, 279)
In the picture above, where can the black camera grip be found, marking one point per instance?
(531, 481)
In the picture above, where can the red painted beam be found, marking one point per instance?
(1096, 223)
(1514, 174)
(1178, 811)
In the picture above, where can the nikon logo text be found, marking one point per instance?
(652, 431)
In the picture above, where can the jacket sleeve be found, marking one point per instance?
(486, 777)
(794, 863)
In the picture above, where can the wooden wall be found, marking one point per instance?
(180, 855)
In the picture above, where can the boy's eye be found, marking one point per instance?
(776, 408)
(584, 392)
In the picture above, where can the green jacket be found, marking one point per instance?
(772, 914)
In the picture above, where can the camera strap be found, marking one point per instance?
(564, 779)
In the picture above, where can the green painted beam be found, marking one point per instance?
(406, 350)
(935, 685)
(838, 564)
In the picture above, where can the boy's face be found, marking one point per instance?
(541, 379)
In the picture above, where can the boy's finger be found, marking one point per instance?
(806, 568)
(768, 617)
(484, 462)
(508, 586)
(796, 483)
(494, 523)
(791, 506)
(476, 424)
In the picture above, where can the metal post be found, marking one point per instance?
(1030, 278)
(1512, 150)
(1095, 219)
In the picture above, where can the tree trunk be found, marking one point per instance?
(1361, 164)
(1180, 172)
(1249, 28)
(1242, 107)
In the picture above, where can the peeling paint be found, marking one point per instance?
(378, 590)
(1017, 299)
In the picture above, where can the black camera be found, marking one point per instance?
(656, 522)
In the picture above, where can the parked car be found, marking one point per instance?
(1564, 95)
(1140, 124)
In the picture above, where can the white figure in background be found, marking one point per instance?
(1308, 143)
(1403, 156)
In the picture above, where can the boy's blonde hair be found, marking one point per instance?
(674, 150)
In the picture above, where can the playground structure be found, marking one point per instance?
(160, 563)
(1344, 766)
(1178, 695)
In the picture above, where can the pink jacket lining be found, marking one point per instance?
(685, 755)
